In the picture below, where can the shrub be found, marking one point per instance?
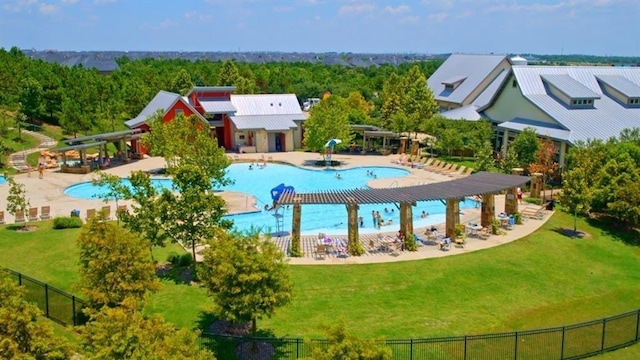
(173, 258)
(294, 249)
(460, 231)
(410, 243)
(185, 260)
(531, 200)
(67, 222)
(517, 217)
(495, 227)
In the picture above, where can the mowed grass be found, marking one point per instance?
(545, 279)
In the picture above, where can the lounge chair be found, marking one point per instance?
(421, 239)
(484, 234)
(20, 217)
(452, 170)
(91, 213)
(444, 169)
(435, 165)
(534, 212)
(341, 247)
(408, 161)
(420, 164)
(45, 212)
(33, 214)
(399, 160)
(106, 212)
(1, 217)
(321, 251)
(457, 171)
(465, 173)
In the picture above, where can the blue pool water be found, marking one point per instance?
(330, 219)
(2, 180)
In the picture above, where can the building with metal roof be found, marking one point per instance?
(245, 123)
(566, 103)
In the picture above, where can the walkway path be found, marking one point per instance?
(18, 160)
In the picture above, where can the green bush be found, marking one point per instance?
(185, 260)
(517, 217)
(531, 200)
(173, 258)
(410, 243)
(66, 222)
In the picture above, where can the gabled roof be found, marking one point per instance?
(622, 84)
(569, 86)
(473, 68)
(487, 96)
(164, 100)
(605, 119)
(469, 112)
(267, 104)
(217, 106)
(202, 89)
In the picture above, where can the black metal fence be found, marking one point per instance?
(567, 342)
(56, 304)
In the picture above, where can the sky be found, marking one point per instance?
(593, 27)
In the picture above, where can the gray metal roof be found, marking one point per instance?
(163, 100)
(477, 184)
(605, 119)
(217, 106)
(266, 104)
(475, 68)
(541, 128)
(197, 89)
(454, 80)
(487, 96)
(620, 83)
(79, 146)
(104, 136)
(265, 122)
(570, 86)
(469, 112)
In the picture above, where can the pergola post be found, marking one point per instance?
(511, 201)
(353, 247)
(295, 225)
(488, 211)
(453, 217)
(536, 185)
(403, 145)
(406, 219)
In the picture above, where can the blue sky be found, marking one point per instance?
(597, 27)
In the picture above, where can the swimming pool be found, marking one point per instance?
(2, 180)
(330, 219)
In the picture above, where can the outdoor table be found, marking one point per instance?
(504, 221)
(474, 230)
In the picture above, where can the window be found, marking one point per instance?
(448, 86)
(514, 83)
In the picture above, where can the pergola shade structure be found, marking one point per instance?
(482, 183)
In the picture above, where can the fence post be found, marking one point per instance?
(562, 346)
(411, 349)
(465, 347)
(297, 348)
(73, 308)
(604, 327)
(515, 350)
(46, 299)
(20, 279)
(637, 324)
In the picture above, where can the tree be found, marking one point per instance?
(525, 145)
(247, 277)
(228, 74)
(181, 83)
(545, 160)
(576, 195)
(484, 157)
(417, 100)
(449, 140)
(391, 98)
(22, 335)
(618, 187)
(191, 216)
(121, 333)
(144, 219)
(507, 162)
(186, 141)
(30, 98)
(345, 346)
(114, 265)
(17, 199)
(327, 120)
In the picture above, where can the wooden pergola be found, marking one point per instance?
(485, 184)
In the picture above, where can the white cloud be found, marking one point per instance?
(409, 19)
(47, 8)
(530, 7)
(195, 15)
(69, 2)
(356, 8)
(397, 10)
(20, 5)
(439, 17)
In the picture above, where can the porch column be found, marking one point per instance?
(295, 226)
(453, 217)
(511, 201)
(406, 219)
(354, 247)
(403, 145)
(536, 185)
(488, 211)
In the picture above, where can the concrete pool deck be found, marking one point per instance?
(49, 191)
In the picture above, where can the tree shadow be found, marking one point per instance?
(616, 230)
(180, 275)
(568, 232)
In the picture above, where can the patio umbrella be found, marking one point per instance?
(333, 142)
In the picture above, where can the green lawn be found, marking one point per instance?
(467, 162)
(543, 280)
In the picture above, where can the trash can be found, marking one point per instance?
(75, 213)
(550, 204)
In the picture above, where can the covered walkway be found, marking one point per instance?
(485, 184)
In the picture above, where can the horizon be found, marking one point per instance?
(550, 27)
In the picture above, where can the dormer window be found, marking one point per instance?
(620, 89)
(634, 102)
(452, 83)
(569, 91)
